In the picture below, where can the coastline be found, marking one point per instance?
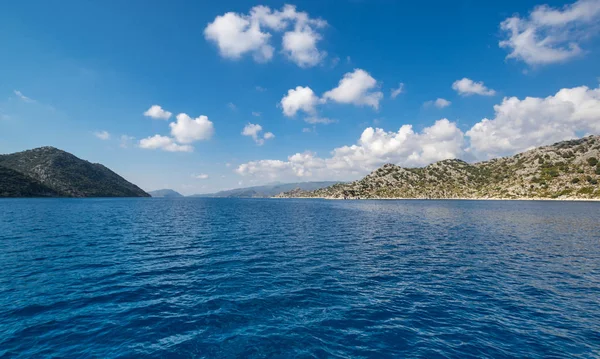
(452, 199)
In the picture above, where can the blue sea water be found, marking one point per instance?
(252, 278)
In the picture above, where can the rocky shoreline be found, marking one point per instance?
(568, 171)
(447, 199)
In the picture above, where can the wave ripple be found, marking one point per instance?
(222, 278)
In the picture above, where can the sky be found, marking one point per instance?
(200, 96)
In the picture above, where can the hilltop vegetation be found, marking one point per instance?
(569, 169)
(15, 184)
(47, 171)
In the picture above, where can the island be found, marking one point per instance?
(568, 170)
(50, 172)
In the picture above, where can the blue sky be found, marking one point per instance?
(80, 76)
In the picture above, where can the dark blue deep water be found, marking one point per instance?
(225, 278)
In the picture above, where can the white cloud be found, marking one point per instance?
(356, 88)
(157, 112)
(300, 45)
(397, 91)
(238, 34)
(439, 103)
(300, 98)
(519, 125)
(201, 176)
(550, 35)
(165, 143)
(23, 97)
(232, 106)
(467, 87)
(125, 141)
(375, 147)
(256, 114)
(253, 130)
(260, 89)
(188, 130)
(103, 135)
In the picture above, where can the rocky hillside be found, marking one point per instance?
(569, 169)
(63, 174)
(16, 184)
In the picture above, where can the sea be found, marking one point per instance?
(299, 278)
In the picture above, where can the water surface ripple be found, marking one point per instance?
(222, 278)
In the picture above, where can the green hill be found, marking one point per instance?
(63, 174)
(15, 184)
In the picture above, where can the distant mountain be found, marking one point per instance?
(165, 193)
(63, 174)
(565, 170)
(267, 191)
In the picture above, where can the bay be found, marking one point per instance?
(254, 278)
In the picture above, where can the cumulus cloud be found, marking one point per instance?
(300, 45)
(518, 125)
(439, 103)
(238, 34)
(157, 112)
(201, 176)
(164, 143)
(103, 135)
(550, 35)
(468, 87)
(254, 130)
(188, 130)
(184, 131)
(397, 91)
(300, 98)
(375, 147)
(356, 88)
